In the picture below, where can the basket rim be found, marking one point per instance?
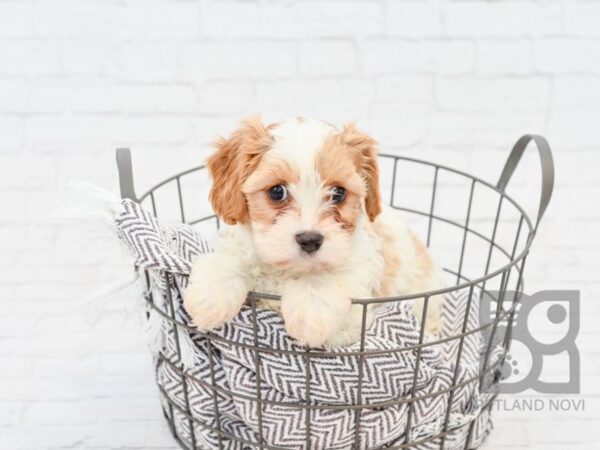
(423, 294)
(329, 353)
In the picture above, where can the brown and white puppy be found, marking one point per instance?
(303, 202)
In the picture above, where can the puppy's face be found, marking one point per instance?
(302, 187)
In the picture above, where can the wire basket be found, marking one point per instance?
(481, 235)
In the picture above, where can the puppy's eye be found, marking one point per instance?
(338, 195)
(278, 193)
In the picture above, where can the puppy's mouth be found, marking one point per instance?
(302, 265)
(310, 263)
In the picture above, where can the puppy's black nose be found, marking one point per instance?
(309, 241)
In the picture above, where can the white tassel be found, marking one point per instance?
(154, 328)
(125, 301)
(120, 299)
(88, 201)
(189, 356)
(92, 210)
(154, 331)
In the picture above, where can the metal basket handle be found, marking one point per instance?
(125, 174)
(547, 163)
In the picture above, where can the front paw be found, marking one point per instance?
(313, 316)
(211, 299)
(433, 318)
(351, 330)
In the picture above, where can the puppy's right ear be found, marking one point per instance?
(234, 160)
(367, 165)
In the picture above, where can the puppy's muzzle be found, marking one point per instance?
(309, 241)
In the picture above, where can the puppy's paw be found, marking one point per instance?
(313, 316)
(351, 330)
(213, 298)
(433, 318)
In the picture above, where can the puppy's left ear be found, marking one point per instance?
(229, 166)
(367, 165)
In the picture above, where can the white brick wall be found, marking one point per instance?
(455, 81)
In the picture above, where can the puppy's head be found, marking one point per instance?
(302, 186)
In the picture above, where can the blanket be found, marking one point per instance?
(223, 376)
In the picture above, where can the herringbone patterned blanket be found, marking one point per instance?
(294, 413)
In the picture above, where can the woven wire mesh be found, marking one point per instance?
(483, 245)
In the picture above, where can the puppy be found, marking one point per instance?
(304, 205)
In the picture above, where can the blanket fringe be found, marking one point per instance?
(189, 354)
(153, 331)
(88, 201)
(157, 327)
(93, 210)
(119, 299)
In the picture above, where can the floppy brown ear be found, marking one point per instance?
(234, 160)
(367, 166)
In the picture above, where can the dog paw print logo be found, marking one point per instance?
(509, 367)
(543, 354)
